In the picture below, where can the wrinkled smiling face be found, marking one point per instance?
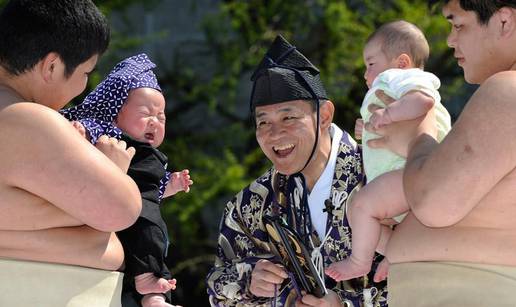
(286, 134)
(142, 116)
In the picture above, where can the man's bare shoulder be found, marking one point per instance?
(506, 78)
(500, 87)
(30, 119)
(32, 131)
(22, 110)
(494, 100)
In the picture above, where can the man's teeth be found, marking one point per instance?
(283, 147)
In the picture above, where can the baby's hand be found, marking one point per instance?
(380, 118)
(179, 181)
(80, 128)
(359, 127)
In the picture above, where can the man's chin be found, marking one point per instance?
(286, 170)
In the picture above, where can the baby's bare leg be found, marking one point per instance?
(379, 199)
(385, 234)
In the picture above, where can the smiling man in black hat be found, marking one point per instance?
(316, 166)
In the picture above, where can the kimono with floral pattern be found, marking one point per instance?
(243, 240)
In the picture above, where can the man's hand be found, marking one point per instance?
(265, 277)
(382, 270)
(329, 300)
(398, 136)
(380, 118)
(116, 151)
(80, 128)
(359, 127)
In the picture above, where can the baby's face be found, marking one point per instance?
(376, 61)
(142, 116)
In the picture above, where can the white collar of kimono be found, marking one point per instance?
(322, 188)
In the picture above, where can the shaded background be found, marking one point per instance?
(206, 51)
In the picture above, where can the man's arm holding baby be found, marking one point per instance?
(484, 125)
(437, 199)
(62, 169)
(92, 129)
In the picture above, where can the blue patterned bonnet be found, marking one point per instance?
(104, 103)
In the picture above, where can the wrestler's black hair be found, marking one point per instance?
(484, 9)
(31, 29)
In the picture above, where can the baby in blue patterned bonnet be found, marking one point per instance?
(129, 105)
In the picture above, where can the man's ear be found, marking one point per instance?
(403, 61)
(506, 19)
(50, 66)
(326, 111)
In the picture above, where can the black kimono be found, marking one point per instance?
(146, 241)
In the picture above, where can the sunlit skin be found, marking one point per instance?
(142, 116)
(286, 134)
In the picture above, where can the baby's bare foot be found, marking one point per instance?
(348, 269)
(155, 300)
(148, 283)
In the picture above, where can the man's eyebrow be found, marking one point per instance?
(261, 114)
(285, 109)
(282, 110)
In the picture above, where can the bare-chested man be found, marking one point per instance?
(457, 247)
(61, 199)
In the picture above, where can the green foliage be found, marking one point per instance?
(330, 33)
